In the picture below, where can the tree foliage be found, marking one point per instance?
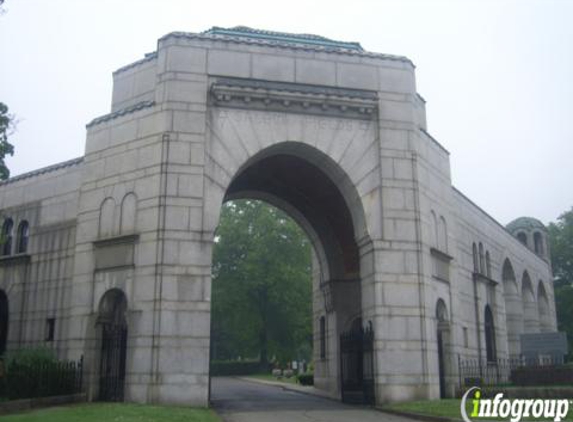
(6, 148)
(561, 241)
(262, 288)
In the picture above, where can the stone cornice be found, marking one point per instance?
(294, 98)
(148, 57)
(284, 45)
(124, 111)
(44, 170)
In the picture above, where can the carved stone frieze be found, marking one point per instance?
(294, 98)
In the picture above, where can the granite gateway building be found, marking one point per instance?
(109, 255)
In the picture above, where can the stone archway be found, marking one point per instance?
(315, 192)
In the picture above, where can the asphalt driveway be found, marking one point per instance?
(237, 400)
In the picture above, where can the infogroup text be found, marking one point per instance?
(514, 409)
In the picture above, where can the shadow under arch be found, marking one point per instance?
(317, 188)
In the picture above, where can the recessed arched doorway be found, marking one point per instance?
(112, 327)
(312, 189)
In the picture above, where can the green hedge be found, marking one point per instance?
(305, 379)
(30, 373)
(243, 367)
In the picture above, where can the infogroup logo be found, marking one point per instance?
(514, 409)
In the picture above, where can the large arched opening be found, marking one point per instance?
(312, 189)
(543, 308)
(513, 309)
(530, 311)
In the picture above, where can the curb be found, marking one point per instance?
(287, 387)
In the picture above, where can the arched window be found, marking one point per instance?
(7, 236)
(3, 321)
(538, 243)
(487, 264)
(475, 254)
(481, 259)
(322, 337)
(23, 235)
(489, 335)
(107, 226)
(522, 237)
(128, 214)
(442, 234)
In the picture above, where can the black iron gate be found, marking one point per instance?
(357, 365)
(112, 362)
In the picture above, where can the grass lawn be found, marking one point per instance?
(450, 408)
(114, 412)
(269, 377)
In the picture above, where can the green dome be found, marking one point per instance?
(525, 223)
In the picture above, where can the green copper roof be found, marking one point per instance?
(525, 223)
(283, 37)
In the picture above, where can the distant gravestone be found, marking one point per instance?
(534, 346)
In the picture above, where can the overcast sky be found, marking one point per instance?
(497, 77)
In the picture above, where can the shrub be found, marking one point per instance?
(305, 379)
(30, 356)
(36, 372)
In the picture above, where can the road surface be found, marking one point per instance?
(237, 400)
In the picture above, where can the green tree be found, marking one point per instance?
(6, 148)
(262, 285)
(561, 241)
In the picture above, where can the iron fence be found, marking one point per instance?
(23, 380)
(543, 370)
